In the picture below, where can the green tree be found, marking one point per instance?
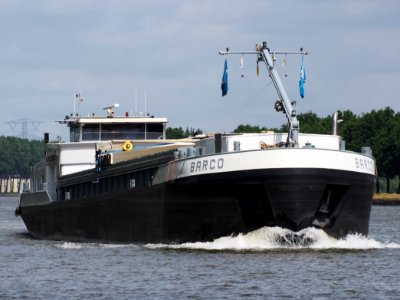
(19, 155)
(175, 133)
(179, 133)
(248, 129)
(311, 123)
(255, 129)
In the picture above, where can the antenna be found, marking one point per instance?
(136, 95)
(109, 109)
(145, 102)
(77, 99)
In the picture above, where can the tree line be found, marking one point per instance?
(378, 129)
(18, 156)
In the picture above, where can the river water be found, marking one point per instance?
(253, 266)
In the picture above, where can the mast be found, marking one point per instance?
(283, 103)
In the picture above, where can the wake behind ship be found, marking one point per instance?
(120, 180)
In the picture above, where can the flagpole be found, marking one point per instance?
(145, 102)
(136, 99)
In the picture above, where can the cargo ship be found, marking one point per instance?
(119, 179)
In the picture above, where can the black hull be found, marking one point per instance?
(202, 208)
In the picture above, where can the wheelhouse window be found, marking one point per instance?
(155, 131)
(74, 134)
(116, 131)
(90, 132)
(123, 131)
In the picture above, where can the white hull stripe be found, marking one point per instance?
(272, 159)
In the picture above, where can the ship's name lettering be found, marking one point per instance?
(206, 165)
(364, 164)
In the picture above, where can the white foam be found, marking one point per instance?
(69, 245)
(116, 245)
(270, 238)
(72, 245)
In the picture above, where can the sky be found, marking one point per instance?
(161, 57)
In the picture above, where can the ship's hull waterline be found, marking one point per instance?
(202, 207)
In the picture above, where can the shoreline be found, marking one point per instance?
(386, 199)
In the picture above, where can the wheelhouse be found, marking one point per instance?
(115, 128)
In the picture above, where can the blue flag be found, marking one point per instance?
(224, 83)
(302, 79)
